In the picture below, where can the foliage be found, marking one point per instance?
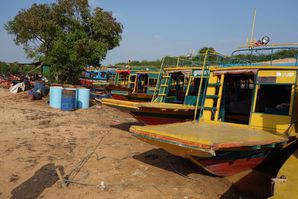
(4, 68)
(17, 69)
(203, 50)
(214, 58)
(67, 35)
(140, 63)
(174, 61)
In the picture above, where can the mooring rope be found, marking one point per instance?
(77, 168)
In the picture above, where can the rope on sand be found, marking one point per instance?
(69, 178)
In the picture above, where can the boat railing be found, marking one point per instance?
(271, 55)
(203, 60)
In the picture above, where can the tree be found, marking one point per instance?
(66, 35)
(203, 50)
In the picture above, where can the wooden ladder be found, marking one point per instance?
(163, 87)
(213, 96)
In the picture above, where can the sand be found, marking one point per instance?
(35, 139)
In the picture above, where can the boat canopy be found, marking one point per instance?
(184, 72)
(236, 72)
(123, 71)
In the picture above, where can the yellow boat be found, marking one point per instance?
(248, 112)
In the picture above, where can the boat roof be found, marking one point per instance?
(183, 68)
(208, 135)
(123, 71)
(268, 67)
(285, 46)
(165, 105)
(147, 72)
(90, 71)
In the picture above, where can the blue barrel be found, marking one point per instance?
(68, 100)
(83, 98)
(55, 96)
(76, 90)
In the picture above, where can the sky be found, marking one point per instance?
(157, 28)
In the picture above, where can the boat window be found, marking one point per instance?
(132, 79)
(142, 83)
(273, 99)
(111, 77)
(93, 74)
(195, 85)
(152, 82)
(176, 87)
(123, 78)
(237, 98)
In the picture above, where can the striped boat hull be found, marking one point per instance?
(162, 117)
(134, 97)
(222, 163)
(230, 163)
(139, 97)
(119, 97)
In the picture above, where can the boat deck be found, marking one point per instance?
(120, 103)
(166, 106)
(207, 135)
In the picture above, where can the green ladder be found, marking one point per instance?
(163, 88)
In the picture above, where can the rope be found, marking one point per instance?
(69, 178)
(77, 168)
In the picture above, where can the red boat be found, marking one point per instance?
(162, 113)
(140, 88)
(176, 102)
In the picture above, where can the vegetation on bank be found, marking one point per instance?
(17, 69)
(66, 35)
(212, 58)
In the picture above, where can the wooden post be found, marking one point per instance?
(60, 178)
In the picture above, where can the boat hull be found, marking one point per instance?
(222, 149)
(118, 97)
(224, 163)
(93, 83)
(125, 94)
(154, 116)
(227, 163)
(118, 88)
(139, 97)
(132, 97)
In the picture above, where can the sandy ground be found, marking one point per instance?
(35, 139)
